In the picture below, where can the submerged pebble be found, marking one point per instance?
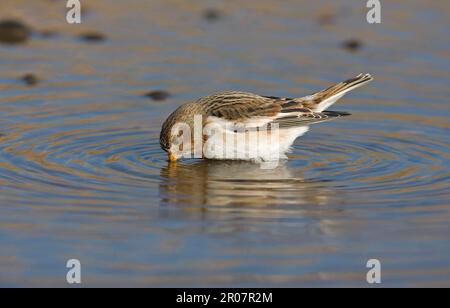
(13, 32)
(212, 14)
(158, 95)
(30, 79)
(92, 37)
(352, 45)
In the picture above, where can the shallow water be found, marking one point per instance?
(82, 175)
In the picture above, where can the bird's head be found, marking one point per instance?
(177, 130)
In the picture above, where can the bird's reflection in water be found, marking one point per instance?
(226, 183)
(238, 196)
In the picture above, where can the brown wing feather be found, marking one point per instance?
(239, 106)
(288, 112)
(308, 119)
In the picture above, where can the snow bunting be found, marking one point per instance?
(241, 125)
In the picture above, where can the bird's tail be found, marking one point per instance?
(324, 99)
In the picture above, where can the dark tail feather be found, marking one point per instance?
(324, 99)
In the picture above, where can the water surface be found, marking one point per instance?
(82, 175)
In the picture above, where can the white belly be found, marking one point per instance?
(256, 146)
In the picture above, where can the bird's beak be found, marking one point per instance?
(172, 157)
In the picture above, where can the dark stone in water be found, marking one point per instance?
(212, 14)
(30, 79)
(352, 45)
(13, 32)
(92, 37)
(158, 95)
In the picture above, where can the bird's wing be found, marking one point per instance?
(252, 110)
(240, 106)
(308, 119)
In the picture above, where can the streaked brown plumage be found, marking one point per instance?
(248, 108)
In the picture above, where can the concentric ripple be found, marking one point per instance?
(95, 162)
(394, 164)
(402, 165)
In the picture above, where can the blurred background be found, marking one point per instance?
(82, 175)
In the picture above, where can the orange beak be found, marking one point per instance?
(172, 158)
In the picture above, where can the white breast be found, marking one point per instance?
(255, 145)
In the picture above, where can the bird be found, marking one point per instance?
(237, 125)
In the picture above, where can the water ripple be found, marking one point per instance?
(128, 161)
